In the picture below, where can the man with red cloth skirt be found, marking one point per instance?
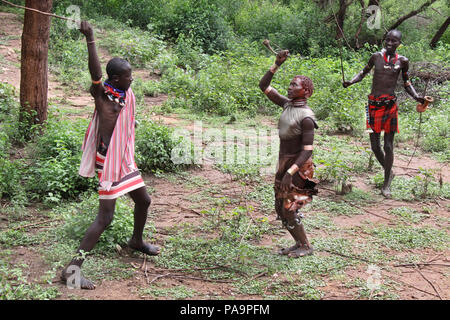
(382, 111)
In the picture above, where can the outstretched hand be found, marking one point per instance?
(86, 29)
(281, 57)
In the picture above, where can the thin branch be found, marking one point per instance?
(421, 264)
(411, 14)
(37, 11)
(434, 288)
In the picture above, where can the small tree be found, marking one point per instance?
(34, 61)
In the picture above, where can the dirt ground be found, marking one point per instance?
(171, 206)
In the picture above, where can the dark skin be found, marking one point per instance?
(297, 93)
(108, 111)
(384, 82)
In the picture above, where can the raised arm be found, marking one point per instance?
(362, 73)
(264, 84)
(94, 63)
(407, 83)
(307, 126)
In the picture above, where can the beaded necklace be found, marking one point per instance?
(115, 94)
(390, 64)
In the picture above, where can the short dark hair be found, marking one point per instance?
(398, 32)
(116, 66)
(307, 84)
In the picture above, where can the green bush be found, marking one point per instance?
(53, 174)
(137, 46)
(80, 215)
(201, 21)
(154, 145)
(68, 57)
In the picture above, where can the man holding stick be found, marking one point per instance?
(108, 147)
(382, 112)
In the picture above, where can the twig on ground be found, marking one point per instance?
(432, 285)
(421, 264)
(346, 256)
(259, 275)
(160, 276)
(421, 290)
(32, 224)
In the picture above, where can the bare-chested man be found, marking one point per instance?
(382, 112)
(294, 183)
(108, 147)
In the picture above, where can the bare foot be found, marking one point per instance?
(301, 251)
(84, 283)
(386, 190)
(285, 251)
(144, 248)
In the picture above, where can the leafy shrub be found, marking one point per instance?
(201, 21)
(54, 173)
(79, 216)
(154, 144)
(68, 57)
(14, 285)
(137, 46)
(11, 180)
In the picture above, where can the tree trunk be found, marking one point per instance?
(363, 17)
(340, 17)
(409, 15)
(34, 60)
(439, 33)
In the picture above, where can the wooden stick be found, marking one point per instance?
(421, 264)
(434, 288)
(37, 11)
(410, 285)
(32, 224)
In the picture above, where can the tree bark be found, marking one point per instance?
(409, 15)
(439, 33)
(340, 17)
(363, 17)
(34, 60)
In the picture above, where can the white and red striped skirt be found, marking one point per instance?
(127, 184)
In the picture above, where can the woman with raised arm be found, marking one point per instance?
(294, 183)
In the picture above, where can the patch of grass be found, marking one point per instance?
(401, 237)
(265, 196)
(358, 195)
(384, 291)
(79, 216)
(408, 214)
(336, 208)
(19, 237)
(14, 284)
(319, 221)
(177, 293)
(422, 186)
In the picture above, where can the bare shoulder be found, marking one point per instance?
(403, 60)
